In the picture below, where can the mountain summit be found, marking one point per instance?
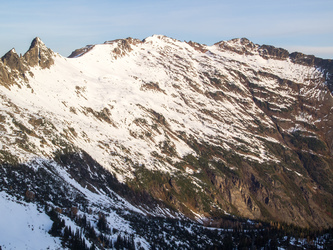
(39, 54)
(14, 68)
(170, 129)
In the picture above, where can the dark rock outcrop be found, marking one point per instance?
(326, 65)
(81, 51)
(14, 67)
(268, 51)
(39, 55)
(14, 61)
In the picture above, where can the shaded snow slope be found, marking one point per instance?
(24, 226)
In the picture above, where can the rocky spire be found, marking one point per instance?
(37, 42)
(13, 61)
(39, 54)
(12, 67)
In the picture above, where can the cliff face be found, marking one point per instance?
(234, 128)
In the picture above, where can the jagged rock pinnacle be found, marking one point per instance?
(39, 54)
(12, 59)
(36, 42)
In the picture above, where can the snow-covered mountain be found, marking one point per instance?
(170, 129)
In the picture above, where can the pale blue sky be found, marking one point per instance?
(65, 25)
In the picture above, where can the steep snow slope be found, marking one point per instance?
(234, 127)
